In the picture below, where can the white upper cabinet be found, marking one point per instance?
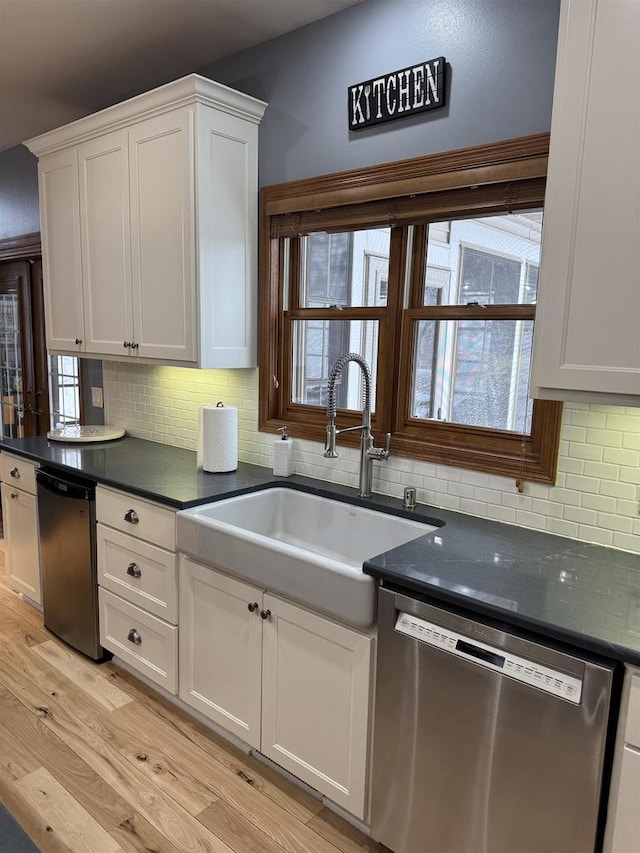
(149, 228)
(62, 261)
(587, 332)
(106, 243)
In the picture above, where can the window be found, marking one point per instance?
(64, 390)
(428, 269)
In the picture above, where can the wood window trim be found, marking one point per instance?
(480, 180)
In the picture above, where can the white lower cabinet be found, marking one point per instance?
(623, 818)
(292, 684)
(138, 578)
(20, 520)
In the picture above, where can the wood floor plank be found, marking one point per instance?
(296, 800)
(241, 835)
(137, 835)
(15, 760)
(34, 738)
(64, 814)
(30, 819)
(342, 834)
(82, 674)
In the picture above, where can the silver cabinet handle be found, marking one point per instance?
(131, 516)
(15, 473)
(134, 637)
(134, 570)
(14, 495)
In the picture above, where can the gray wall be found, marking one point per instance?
(501, 55)
(19, 211)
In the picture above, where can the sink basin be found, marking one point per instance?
(307, 547)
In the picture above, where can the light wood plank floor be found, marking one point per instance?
(92, 761)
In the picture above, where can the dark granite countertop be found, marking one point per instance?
(554, 587)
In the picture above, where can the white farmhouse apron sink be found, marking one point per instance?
(304, 546)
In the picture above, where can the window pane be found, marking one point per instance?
(317, 345)
(64, 391)
(490, 260)
(345, 269)
(473, 372)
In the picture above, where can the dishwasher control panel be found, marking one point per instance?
(529, 672)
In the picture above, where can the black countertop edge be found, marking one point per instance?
(534, 629)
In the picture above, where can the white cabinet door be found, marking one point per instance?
(220, 649)
(587, 330)
(61, 254)
(106, 243)
(227, 207)
(316, 699)
(625, 836)
(22, 555)
(163, 235)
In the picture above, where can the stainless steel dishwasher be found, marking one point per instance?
(484, 742)
(67, 522)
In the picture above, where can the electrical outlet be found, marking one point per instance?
(96, 398)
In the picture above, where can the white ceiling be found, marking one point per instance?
(63, 59)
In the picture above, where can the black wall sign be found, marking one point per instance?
(401, 93)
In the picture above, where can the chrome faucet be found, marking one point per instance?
(367, 450)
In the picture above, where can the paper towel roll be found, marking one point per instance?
(217, 439)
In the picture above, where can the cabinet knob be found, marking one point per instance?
(253, 607)
(134, 637)
(134, 346)
(126, 344)
(134, 570)
(265, 614)
(15, 473)
(131, 516)
(78, 341)
(14, 495)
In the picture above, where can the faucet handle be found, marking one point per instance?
(381, 453)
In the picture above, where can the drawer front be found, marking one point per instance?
(632, 732)
(146, 643)
(139, 572)
(137, 517)
(18, 472)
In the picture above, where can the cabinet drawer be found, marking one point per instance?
(137, 517)
(139, 572)
(19, 472)
(632, 732)
(148, 644)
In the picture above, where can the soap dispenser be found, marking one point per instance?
(283, 453)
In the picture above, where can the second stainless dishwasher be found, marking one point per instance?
(485, 742)
(67, 520)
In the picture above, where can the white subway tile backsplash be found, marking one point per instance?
(595, 534)
(605, 437)
(596, 497)
(615, 522)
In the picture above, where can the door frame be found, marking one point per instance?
(29, 248)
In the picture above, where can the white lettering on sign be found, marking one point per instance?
(405, 92)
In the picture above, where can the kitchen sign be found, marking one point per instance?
(402, 93)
